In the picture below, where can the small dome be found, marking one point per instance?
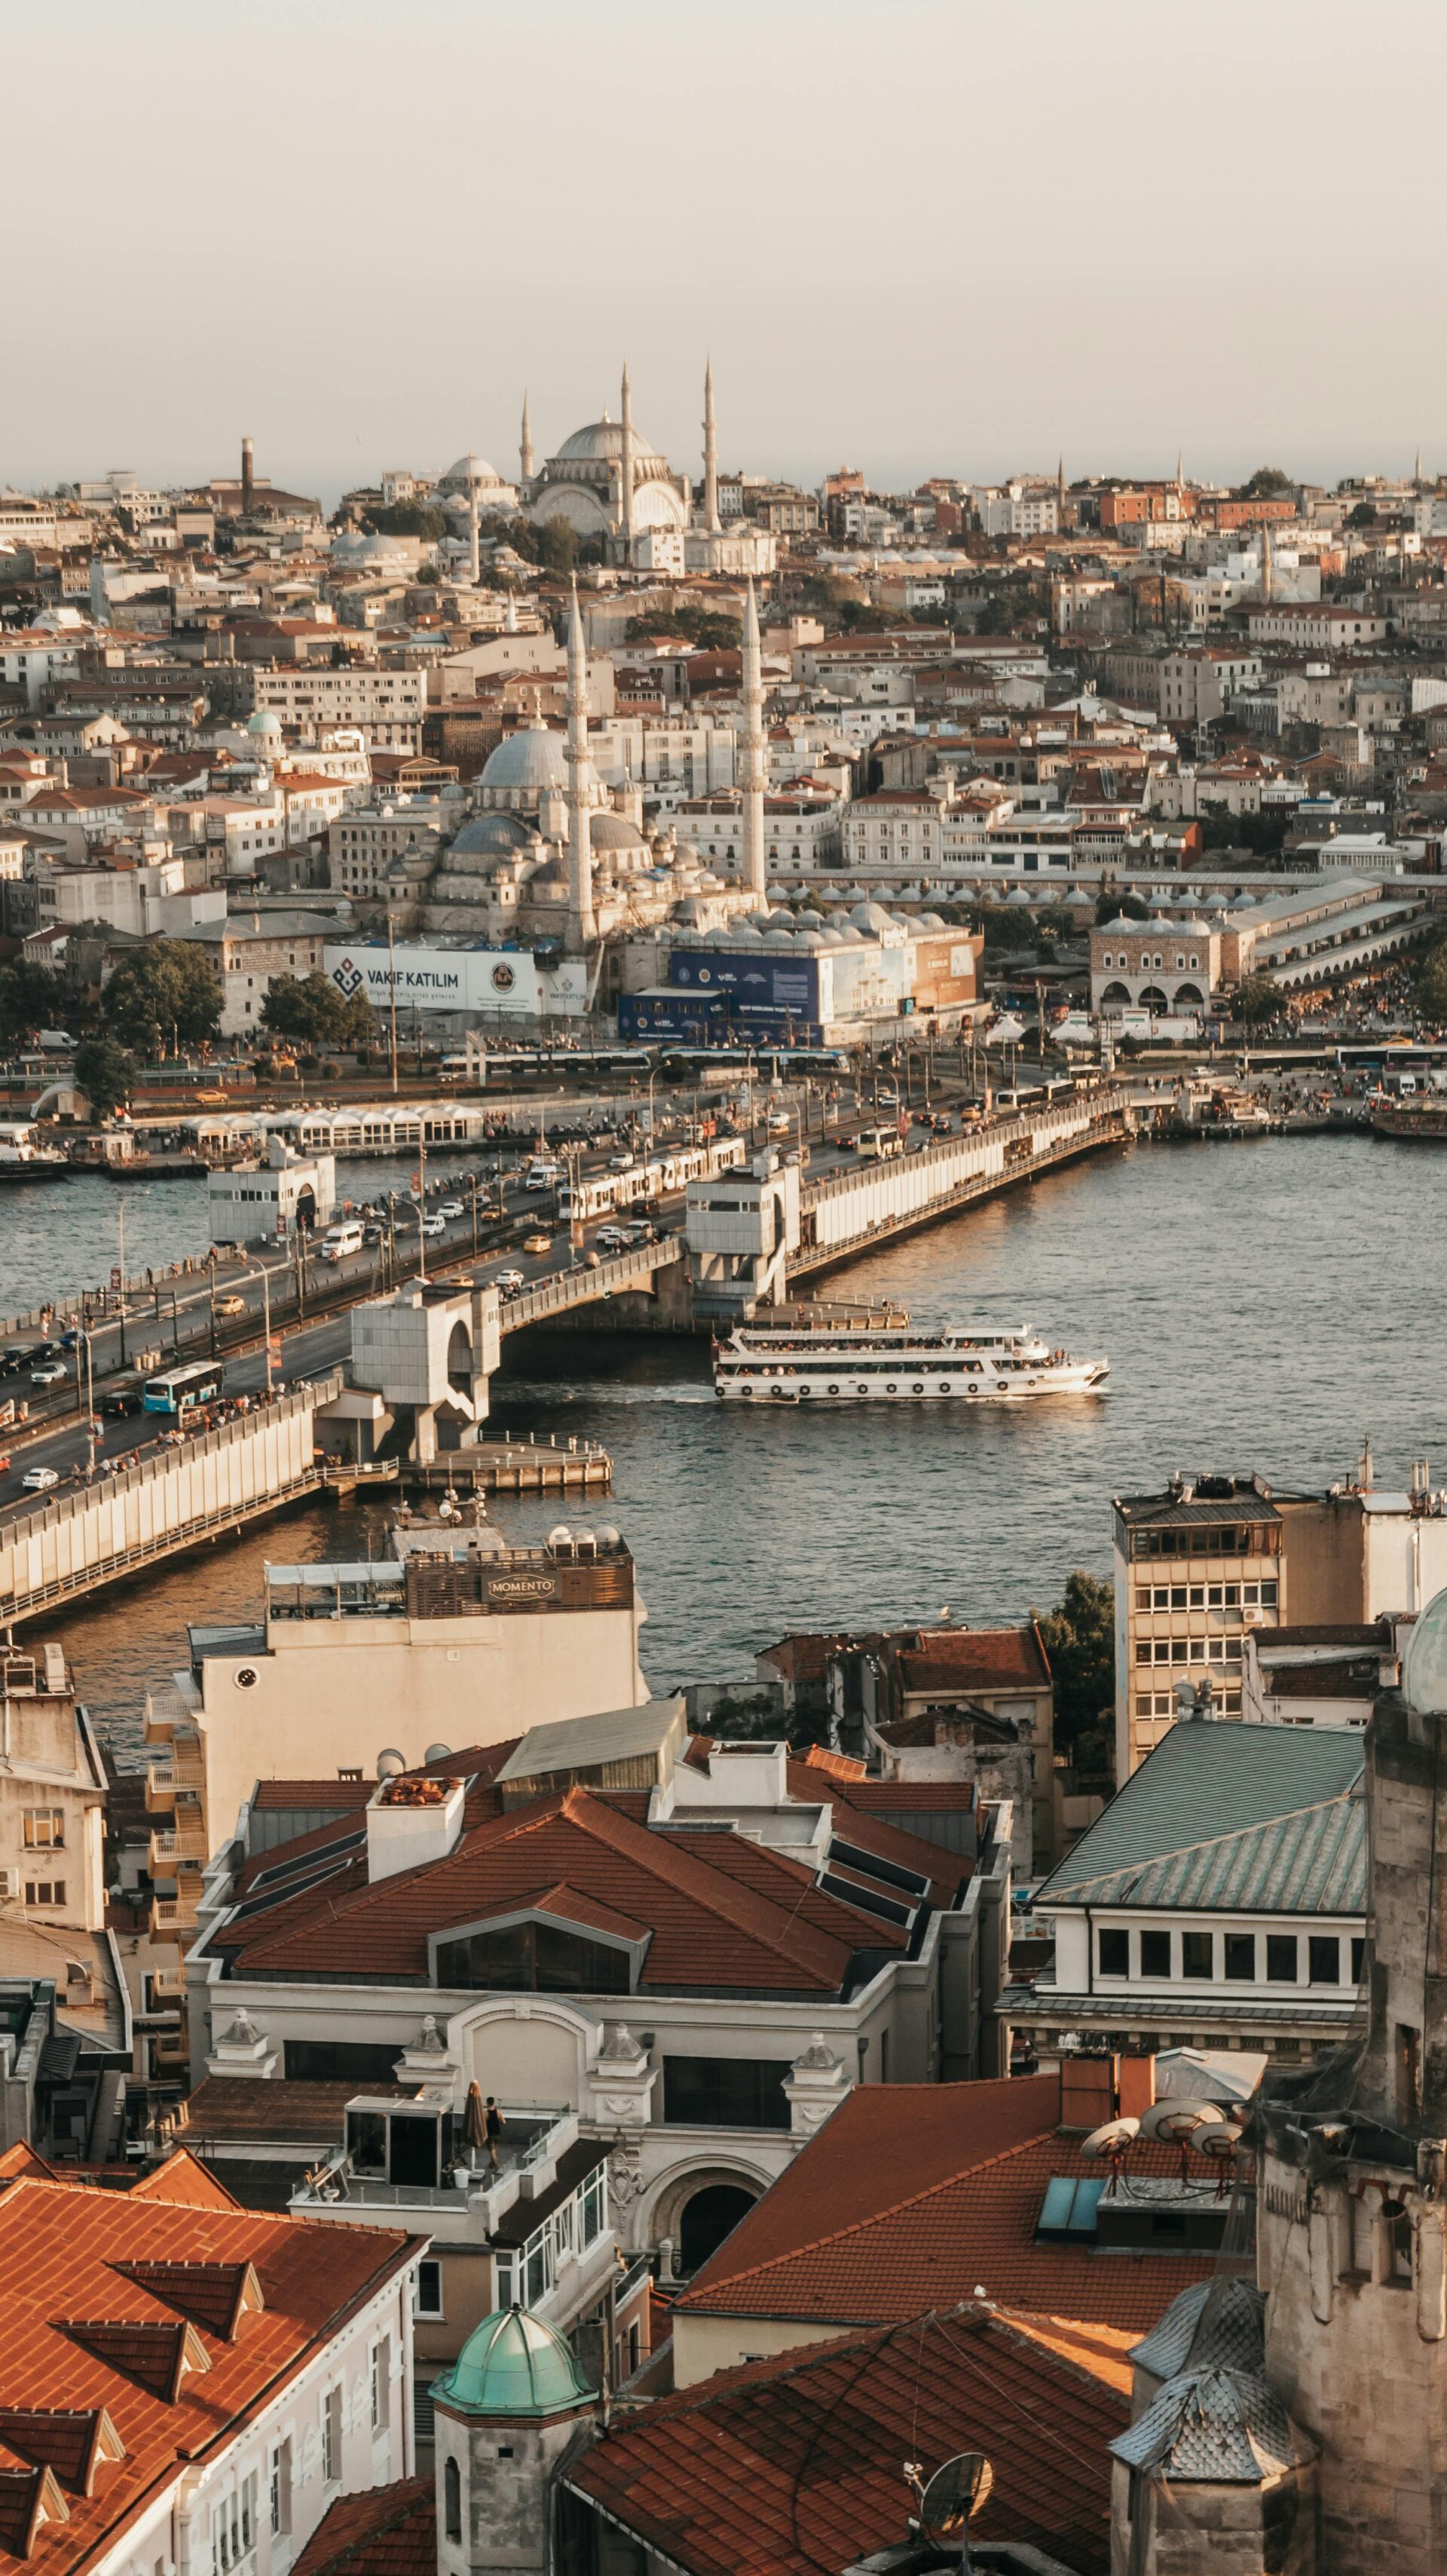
(931, 921)
(532, 758)
(469, 469)
(513, 2364)
(778, 939)
(491, 836)
(265, 723)
(610, 831)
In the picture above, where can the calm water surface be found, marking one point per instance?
(1261, 1304)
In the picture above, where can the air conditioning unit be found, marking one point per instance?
(9, 1884)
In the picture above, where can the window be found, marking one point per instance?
(332, 2436)
(44, 1829)
(452, 2500)
(45, 1891)
(1113, 1953)
(1197, 1954)
(280, 2499)
(340, 2061)
(382, 2384)
(1324, 1959)
(1155, 1954)
(534, 1958)
(1281, 1968)
(1397, 2221)
(1359, 1961)
(725, 2092)
(1241, 1955)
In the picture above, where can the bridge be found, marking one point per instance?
(171, 1500)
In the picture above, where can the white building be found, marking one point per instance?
(267, 1202)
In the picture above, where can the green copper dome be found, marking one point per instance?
(513, 2364)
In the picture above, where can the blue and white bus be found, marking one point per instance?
(180, 1390)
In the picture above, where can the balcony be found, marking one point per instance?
(182, 1843)
(173, 1915)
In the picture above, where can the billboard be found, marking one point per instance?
(750, 981)
(475, 981)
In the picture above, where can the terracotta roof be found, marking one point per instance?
(857, 1823)
(102, 2290)
(973, 1659)
(386, 2531)
(916, 2194)
(186, 2182)
(722, 1911)
(793, 2464)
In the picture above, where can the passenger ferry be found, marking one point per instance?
(764, 1363)
(23, 1157)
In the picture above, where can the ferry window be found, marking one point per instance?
(1155, 1954)
(1324, 1959)
(1281, 1967)
(1197, 1954)
(1241, 1955)
(1113, 1953)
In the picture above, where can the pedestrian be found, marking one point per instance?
(495, 2125)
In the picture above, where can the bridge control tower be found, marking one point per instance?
(418, 1380)
(740, 1229)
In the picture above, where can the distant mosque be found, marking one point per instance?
(608, 482)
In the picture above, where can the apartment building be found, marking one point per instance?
(1196, 687)
(801, 830)
(362, 845)
(386, 706)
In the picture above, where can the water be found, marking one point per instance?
(58, 1237)
(1261, 1304)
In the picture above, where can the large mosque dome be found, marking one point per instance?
(603, 440)
(582, 482)
(528, 762)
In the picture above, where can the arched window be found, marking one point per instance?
(452, 2499)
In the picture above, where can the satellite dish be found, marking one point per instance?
(390, 1763)
(437, 1753)
(1112, 2138)
(954, 2496)
(1177, 2117)
(1218, 2144)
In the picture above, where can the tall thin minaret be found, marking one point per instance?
(710, 454)
(474, 551)
(525, 445)
(580, 823)
(625, 465)
(1268, 562)
(751, 780)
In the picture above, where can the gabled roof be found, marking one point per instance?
(794, 2464)
(1288, 1825)
(110, 2381)
(912, 2195)
(385, 2531)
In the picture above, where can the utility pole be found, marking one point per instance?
(421, 1179)
(266, 1319)
(121, 1229)
(392, 991)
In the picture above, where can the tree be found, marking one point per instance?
(310, 1010)
(1258, 999)
(165, 993)
(1120, 907)
(1268, 483)
(701, 626)
(558, 547)
(1363, 516)
(409, 519)
(1079, 1639)
(105, 1073)
(30, 998)
(1432, 984)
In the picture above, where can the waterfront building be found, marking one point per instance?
(348, 1663)
(689, 1949)
(1219, 1902)
(1208, 1560)
(266, 1202)
(189, 2383)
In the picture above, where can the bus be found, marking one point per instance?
(180, 1390)
(879, 1144)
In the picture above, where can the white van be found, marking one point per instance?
(544, 1176)
(339, 1240)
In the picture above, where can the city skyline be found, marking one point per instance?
(1075, 262)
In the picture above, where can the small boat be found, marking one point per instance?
(782, 1363)
(1422, 1122)
(24, 1158)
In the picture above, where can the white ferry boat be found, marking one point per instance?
(781, 1364)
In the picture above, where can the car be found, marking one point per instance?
(537, 1243)
(643, 1232)
(231, 1305)
(452, 1208)
(432, 1224)
(508, 1282)
(39, 1480)
(72, 1340)
(371, 1234)
(610, 1238)
(620, 1162)
(49, 1373)
(780, 1123)
(118, 1401)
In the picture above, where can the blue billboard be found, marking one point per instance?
(751, 982)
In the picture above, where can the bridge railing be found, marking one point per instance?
(580, 1287)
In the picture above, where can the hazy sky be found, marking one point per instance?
(917, 235)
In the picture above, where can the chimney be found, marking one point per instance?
(411, 1821)
(248, 482)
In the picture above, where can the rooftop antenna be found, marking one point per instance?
(1364, 1465)
(951, 2500)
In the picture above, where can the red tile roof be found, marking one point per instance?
(795, 2464)
(388, 2531)
(973, 1659)
(101, 2289)
(917, 2194)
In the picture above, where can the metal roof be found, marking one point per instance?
(1291, 1825)
(578, 1743)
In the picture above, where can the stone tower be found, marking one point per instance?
(525, 445)
(710, 454)
(580, 791)
(751, 777)
(1352, 2174)
(508, 2415)
(625, 470)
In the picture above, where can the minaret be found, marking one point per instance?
(525, 446)
(474, 556)
(1060, 493)
(1268, 562)
(580, 826)
(710, 454)
(751, 781)
(625, 466)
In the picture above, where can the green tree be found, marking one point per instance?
(701, 626)
(558, 547)
(1268, 483)
(1363, 516)
(163, 994)
(310, 1010)
(1120, 907)
(1258, 999)
(30, 999)
(409, 519)
(1079, 1636)
(1432, 984)
(105, 1073)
